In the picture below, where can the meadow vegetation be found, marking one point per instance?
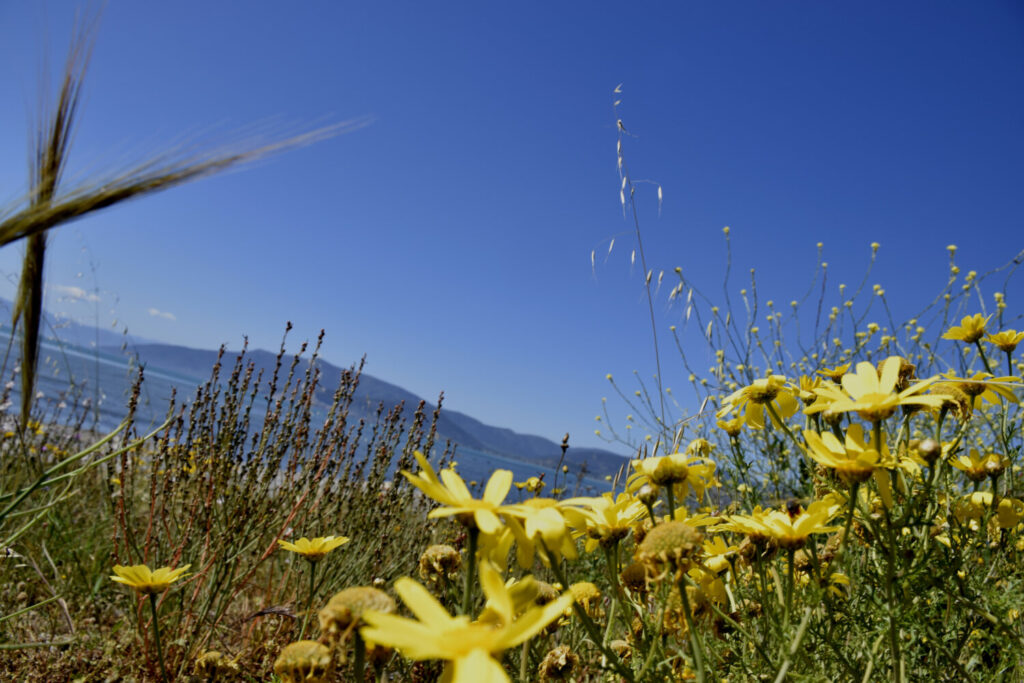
(845, 504)
(854, 512)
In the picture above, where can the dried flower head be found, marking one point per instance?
(634, 577)
(670, 548)
(440, 563)
(588, 596)
(343, 611)
(305, 661)
(558, 664)
(213, 664)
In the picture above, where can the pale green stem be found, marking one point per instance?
(309, 600)
(359, 661)
(698, 651)
(588, 624)
(849, 521)
(472, 534)
(890, 580)
(890, 577)
(156, 637)
(789, 590)
(984, 358)
(670, 496)
(611, 557)
(782, 423)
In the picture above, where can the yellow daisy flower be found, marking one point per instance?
(1006, 340)
(978, 467)
(771, 390)
(787, 529)
(835, 373)
(539, 520)
(731, 427)
(683, 472)
(314, 549)
(853, 461)
(469, 648)
(872, 395)
(978, 387)
(970, 329)
(716, 554)
(145, 581)
(806, 386)
(604, 520)
(456, 499)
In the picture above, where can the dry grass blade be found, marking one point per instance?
(146, 178)
(45, 207)
(49, 158)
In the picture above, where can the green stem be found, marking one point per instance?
(156, 636)
(890, 594)
(467, 588)
(781, 423)
(359, 663)
(698, 651)
(588, 623)
(984, 358)
(789, 590)
(611, 557)
(854, 490)
(611, 560)
(309, 600)
(650, 513)
(670, 496)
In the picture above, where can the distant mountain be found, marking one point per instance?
(64, 329)
(187, 368)
(458, 427)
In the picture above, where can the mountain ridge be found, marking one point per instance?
(458, 427)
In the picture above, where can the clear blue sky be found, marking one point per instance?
(450, 240)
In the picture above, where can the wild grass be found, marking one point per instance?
(242, 460)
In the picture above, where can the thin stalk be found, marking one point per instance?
(309, 600)
(781, 423)
(670, 496)
(647, 289)
(156, 637)
(849, 520)
(588, 624)
(789, 589)
(472, 534)
(794, 646)
(698, 650)
(984, 358)
(890, 579)
(359, 661)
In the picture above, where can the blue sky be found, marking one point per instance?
(450, 239)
